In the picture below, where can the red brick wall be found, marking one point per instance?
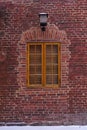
(19, 24)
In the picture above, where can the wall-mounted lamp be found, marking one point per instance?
(43, 20)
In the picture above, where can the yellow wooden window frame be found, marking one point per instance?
(43, 83)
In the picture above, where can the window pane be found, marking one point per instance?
(35, 79)
(55, 59)
(51, 79)
(48, 79)
(35, 69)
(32, 59)
(38, 49)
(55, 69)
(35, 64)
(38, 79)
(48, 59)
(49, 69)
(38, 59)
(32, 79)
(55, 49)
(32, 49)
(35, 59)
(55, 79)
(48, 49)
(51, 64)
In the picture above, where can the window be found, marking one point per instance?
(43, 66)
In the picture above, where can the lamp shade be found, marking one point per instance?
(43, 19)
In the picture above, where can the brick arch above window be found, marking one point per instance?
(52, 34)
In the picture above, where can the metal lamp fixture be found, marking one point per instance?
(43, 20)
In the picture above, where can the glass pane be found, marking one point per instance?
(38, 59)
(38, 79)
(32, 79)
(38, 49)
(35, 79)
(48, 59)
(35, 64)
(48, 79)
(55, 49)
(51, 79)
(55, 69)
(35, 59)
(32, 49)
(48, 49)
(32, 59)
(49, 69)
(51, 64)
(55, 79)
(38, 69)
(35, 69)
(32, 69)
(55, 59)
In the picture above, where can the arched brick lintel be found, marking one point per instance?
(52, 33)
